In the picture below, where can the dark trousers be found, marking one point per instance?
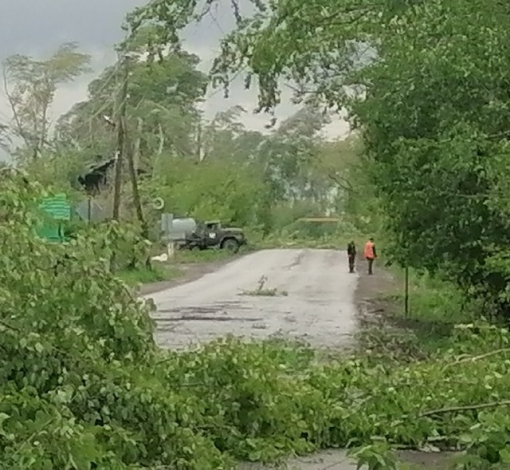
(370, 265)
(352, 259)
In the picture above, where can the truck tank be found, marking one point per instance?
(182, 228)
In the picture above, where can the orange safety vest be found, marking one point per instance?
(369, 250)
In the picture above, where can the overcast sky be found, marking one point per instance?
(38, 27)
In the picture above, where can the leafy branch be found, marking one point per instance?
(456, 409)
(262, 291)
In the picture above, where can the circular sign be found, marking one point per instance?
(158, 203)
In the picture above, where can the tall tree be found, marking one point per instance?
(30, 86)
(290, 153)
(162, 100)
(225, 137)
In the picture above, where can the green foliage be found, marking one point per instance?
(438, 154)
(209, 191)
(57, 171)
(265, 185)
(376, 456)
(122, 242)
(82, 383)
(199, 256)
(162, 106)
(208, 170)
(437, 301)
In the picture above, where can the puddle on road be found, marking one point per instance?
(205, 318)
(214, 308)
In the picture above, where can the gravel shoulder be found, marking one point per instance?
(189, 272)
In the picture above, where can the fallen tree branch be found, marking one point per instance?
(455, 409)
(477, 358)
(8, 326)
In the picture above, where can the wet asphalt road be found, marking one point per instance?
(313, 301)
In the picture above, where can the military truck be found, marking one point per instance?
(189, 234)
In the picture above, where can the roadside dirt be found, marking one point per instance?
(371, 294)
(189, 272)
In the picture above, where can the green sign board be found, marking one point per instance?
(58, 210)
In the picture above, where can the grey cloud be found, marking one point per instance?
(38, 26)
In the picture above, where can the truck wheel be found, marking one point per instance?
(231, 245)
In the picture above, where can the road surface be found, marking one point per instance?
(314, 300)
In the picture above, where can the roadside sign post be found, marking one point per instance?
(166, 228)
(406, 279)
(90, 211)
(406, 292)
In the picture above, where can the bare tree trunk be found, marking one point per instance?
(138, 143)
(134, 183)
(12, 104)
(161, 140)
(132, 157)
(44, 128)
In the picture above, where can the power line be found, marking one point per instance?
(107, 104)
(229, 81)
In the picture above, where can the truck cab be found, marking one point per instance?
(213, 234)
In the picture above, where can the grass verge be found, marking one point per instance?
(211, 255)
(144, 275)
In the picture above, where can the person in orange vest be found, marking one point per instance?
(370, 254)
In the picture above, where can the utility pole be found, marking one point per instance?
(121, 137)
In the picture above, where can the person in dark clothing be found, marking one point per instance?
(351, 255)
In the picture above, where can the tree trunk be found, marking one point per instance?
(134, 182)
(161, 140)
